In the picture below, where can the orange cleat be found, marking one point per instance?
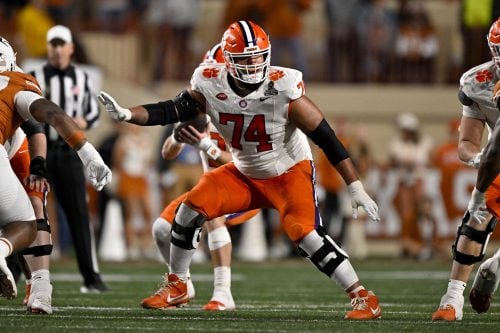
(365, 306)
(214, 305)
(172, 294)
(445, 312)
(27, 296)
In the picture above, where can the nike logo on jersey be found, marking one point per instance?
(262, 99)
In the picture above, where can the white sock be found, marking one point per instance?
(180, 259)
(345, 275)
(41, 274)
(456, 287)
(222, 285)
(5, 247)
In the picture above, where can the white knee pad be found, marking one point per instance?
(218, 238)
(161, 235)
(161, 231)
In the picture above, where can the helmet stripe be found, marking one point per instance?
(248, 33)
(213, 51)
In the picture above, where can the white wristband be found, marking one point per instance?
(207, 145)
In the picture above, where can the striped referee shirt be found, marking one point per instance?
(72, 90)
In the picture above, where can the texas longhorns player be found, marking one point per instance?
(27, 150)
(264, 116)
(22, 98)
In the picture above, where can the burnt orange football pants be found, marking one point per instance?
(225, 190)
(20, 163)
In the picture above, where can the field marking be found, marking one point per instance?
(373, 275)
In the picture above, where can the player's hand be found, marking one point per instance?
(97, 172)
(474, 162)
(37, 180)
(193, 137)
(37, 183)
(115, 110)
(477, 206)
(359, 197)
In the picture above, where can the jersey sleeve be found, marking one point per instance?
(288, 81)
(23, 100)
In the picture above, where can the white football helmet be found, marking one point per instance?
(7, 56)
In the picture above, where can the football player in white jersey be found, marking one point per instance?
(264, 116)
(479, 109)
(213, 152)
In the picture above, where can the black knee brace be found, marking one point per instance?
(481, 237)
(186, 233)
(327, 257)
(39, 250)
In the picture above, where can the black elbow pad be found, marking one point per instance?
(187, 107)
(325, 138)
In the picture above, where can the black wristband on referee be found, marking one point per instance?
(38, 167)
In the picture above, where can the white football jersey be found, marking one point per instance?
(477, 83)
(263, 141)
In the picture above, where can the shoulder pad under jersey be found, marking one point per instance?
(464, 99)
(477, 82)
(287, 80)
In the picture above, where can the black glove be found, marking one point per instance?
(38, 167)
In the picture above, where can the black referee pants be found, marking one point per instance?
(66, 175)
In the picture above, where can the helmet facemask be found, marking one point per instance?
(7, 56)
(249, 73)
(493, 38)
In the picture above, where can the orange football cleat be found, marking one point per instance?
(214, 305)
(172, 294)
(365, 306)
(445, 312)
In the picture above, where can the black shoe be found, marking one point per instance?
(94, 288)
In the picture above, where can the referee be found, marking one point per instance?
(71, 89)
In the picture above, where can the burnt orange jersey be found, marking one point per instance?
(10, 84)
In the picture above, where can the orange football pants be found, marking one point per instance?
(225, 190)
(20, 163)
(168, 213)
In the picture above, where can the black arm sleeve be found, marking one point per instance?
(31, 127)
(182, 108)
(325, 138)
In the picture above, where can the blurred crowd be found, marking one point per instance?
(383, 41)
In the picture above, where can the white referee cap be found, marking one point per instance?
(59, 32)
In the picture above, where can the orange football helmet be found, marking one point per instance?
(246, 40)
(214, 55)
(494, 41)
(7, 56)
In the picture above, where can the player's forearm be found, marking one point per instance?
(37, 145)
(171, 148)
(347, 170)
(467, 150)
